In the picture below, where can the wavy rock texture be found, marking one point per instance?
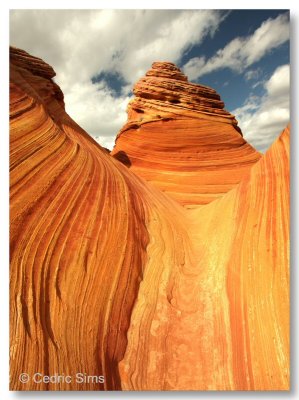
(75, 268)
(180, 138)
(219, 314)
(111, 276)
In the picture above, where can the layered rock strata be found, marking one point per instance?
(110, 276)
(214, 314)
(75, 269)
(180, 138)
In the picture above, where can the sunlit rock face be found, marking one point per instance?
(180, 138)
(218, 298)
(109, 276)
(75, 268)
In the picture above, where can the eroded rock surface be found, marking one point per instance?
(180, 138)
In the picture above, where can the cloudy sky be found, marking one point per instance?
(99, 54)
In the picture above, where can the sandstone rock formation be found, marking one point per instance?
(180, 138)
(111, 276)
(214, 314)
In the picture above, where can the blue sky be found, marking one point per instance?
(232, 86)
(99, 54)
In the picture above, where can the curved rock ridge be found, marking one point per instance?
(78, 240)
(40, 75)
(33, 64)
(110, 276)
(180, 138)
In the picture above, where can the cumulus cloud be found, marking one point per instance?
(81, 44)
(262, 119)
(94, 108)
(242, 52)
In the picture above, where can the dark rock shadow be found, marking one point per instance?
(123, 158)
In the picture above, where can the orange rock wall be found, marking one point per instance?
(75, 219)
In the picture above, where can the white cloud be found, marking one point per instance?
(99, 112)
(105, 141)
(262, 120)
(242, 52)
(253, 74)
(80, 44)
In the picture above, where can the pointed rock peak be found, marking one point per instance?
(165, 92)
(164, 69)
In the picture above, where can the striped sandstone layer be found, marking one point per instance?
(180, 138)
(75, 268)
(110, 276)
(218, 317)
